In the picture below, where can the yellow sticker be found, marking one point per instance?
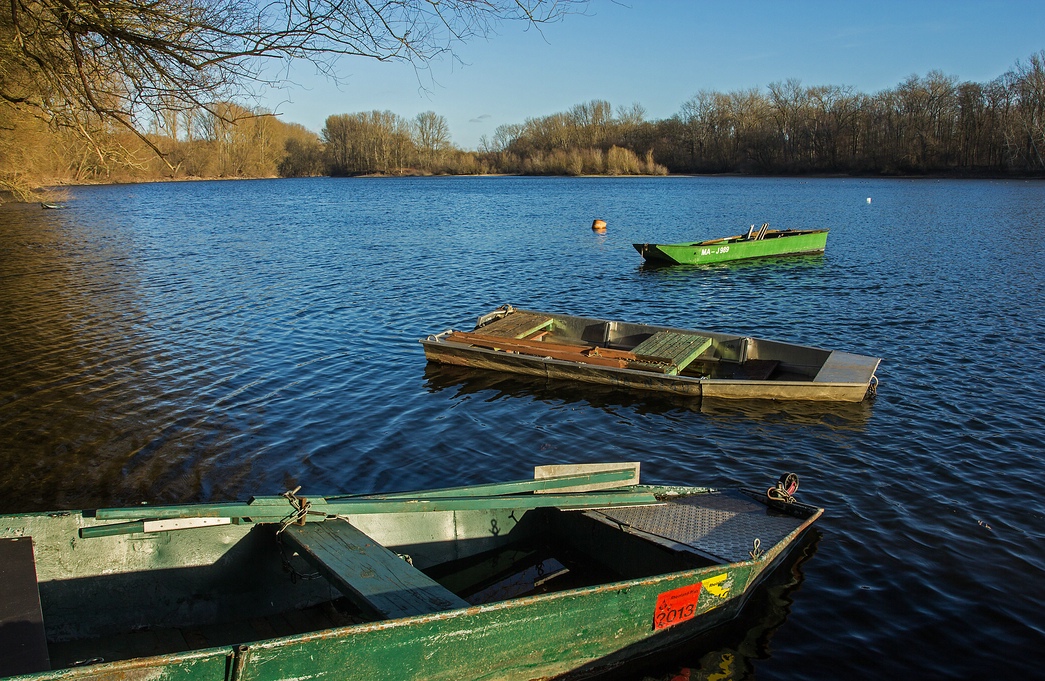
(717, 586)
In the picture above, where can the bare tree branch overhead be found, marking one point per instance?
(72, 60)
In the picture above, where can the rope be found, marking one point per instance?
(778, 494)
(784, 489)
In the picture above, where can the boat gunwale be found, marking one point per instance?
(805, 386)
(740, 238)
(646, 374)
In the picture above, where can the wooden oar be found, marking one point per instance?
(267, 509)
(589, 477)
(276, 509)
(563, 486)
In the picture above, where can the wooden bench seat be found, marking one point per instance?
(675, 349)
(517, 325)
(375, 578)
(23, 642)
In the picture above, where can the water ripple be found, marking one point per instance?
(201, 341)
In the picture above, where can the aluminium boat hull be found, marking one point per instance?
(729, 367)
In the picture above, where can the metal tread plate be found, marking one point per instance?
(721, 524)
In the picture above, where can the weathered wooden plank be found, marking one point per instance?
(23, 643)
(369, 573)
(593, 471)
(151, 526)
(517, 325)
(412, 504)
(669, 344)
(538, 345)
(573, 479)
(510, 502)
(674, 348)
(585, 354)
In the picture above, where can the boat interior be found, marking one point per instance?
(676, 352)
(759, 234)
(135, 595)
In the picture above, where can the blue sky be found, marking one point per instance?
(659, 53)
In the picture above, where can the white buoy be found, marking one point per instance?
(868, 199)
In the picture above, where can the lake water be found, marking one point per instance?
(202, 341)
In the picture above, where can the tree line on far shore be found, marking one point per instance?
(932, 125)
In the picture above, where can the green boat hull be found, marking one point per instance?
(213, 602)
(773, 243)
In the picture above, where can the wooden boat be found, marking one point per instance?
(577, 570)
(640, 356)
(760, 243)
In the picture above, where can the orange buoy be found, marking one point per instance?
(598, 226)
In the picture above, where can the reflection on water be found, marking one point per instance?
(731, 652)
(768, 267)
(845, 415)
(493, 385)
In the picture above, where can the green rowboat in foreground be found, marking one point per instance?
(760, 243)
(573, 572)
(688, 362)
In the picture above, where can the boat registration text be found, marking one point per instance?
(676, 606)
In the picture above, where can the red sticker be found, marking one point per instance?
(675, 606)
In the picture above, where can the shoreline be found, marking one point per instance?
(49, 191)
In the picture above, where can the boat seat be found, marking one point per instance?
(23, 641)
(369, 574)
(517, 325)
(673, 348)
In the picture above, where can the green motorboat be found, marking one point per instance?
(757, 243)
(577, 570)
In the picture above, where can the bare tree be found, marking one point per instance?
(590, 122)
(367, 142)
(1027, 83)
(431, 137)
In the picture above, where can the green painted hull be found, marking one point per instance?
(774, 243)
(536, 638)
(217, 602)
